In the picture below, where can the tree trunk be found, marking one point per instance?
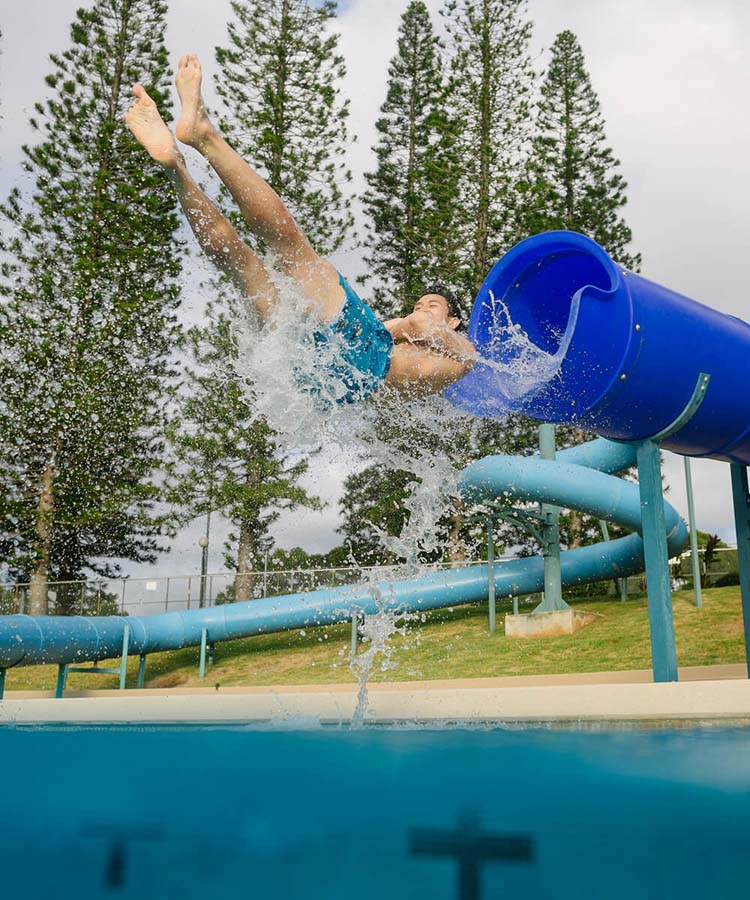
(276, 169)
(38, 596)
(568, 153)
(103, 175)
(456, 547)
(243, 580)
(576, 527)
(408, 286)
(68, 594)
(486, 136)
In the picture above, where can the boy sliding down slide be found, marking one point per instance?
(419, 354)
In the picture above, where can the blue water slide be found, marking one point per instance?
(580, 478)
(566, 335)
(621, 356)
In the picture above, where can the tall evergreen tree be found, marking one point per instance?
(470, 137)
(226, 457)
(573, 183)
(89, 266)
(411, 196)
(377, 500)
(491, 81)
(279, 78)
(371, 505)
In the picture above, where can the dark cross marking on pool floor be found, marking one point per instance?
(115, 870)
(114, 875)
(471, 848)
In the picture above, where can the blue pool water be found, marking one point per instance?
(196, 812)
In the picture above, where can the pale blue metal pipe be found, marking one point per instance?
(552, 598)
(741, 499)
(694, 558)
(27, 640)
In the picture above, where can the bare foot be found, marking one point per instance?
(148, 127)
(194, 126)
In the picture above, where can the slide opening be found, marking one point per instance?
(543, 300)
(525, 325)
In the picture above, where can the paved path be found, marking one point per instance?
(633, 676)
(709, 693)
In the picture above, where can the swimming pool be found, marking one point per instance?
(377, 813)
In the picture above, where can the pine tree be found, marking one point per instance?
(226, 457)
(89, 266)
(279, 78)
(487, 96)
(411, 196)
(572, 184)
(373, 504)
(572, 179)
(491, 82)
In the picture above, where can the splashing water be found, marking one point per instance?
(276, 362)
(376, 631)
(521, 366)
(421, 437)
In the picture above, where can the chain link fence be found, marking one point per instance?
(147, 596)
(720, 569)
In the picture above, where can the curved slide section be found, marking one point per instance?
(579, 479)
(622, 356)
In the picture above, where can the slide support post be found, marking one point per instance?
(658, 585)
(491, 574)
(204, 643)
(741, 497)
(141, 670)
(620, 583)
(693, 535)
(62, 678)
(124, 661)
(553, 599)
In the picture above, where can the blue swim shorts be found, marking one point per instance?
(355, 349)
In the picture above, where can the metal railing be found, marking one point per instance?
(725, 564)
(144, 596)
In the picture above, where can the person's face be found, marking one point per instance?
(438, 308)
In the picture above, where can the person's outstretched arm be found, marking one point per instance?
(428, 356)
(418, 372)
(421, 328)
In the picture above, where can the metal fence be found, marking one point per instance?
(144, 596)
(723, 568)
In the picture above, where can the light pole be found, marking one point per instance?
(203, 544)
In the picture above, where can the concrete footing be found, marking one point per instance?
(547, 624)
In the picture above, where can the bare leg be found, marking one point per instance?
(221, 243)
(215, 233)
(260, 205)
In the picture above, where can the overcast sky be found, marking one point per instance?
(672, 77)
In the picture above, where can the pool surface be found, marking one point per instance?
(402, 813)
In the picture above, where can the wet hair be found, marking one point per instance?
(454, 307)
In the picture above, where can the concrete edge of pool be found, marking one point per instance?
(726, 700)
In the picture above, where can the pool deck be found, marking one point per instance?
(715, 694)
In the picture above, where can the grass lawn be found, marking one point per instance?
(448, 644)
